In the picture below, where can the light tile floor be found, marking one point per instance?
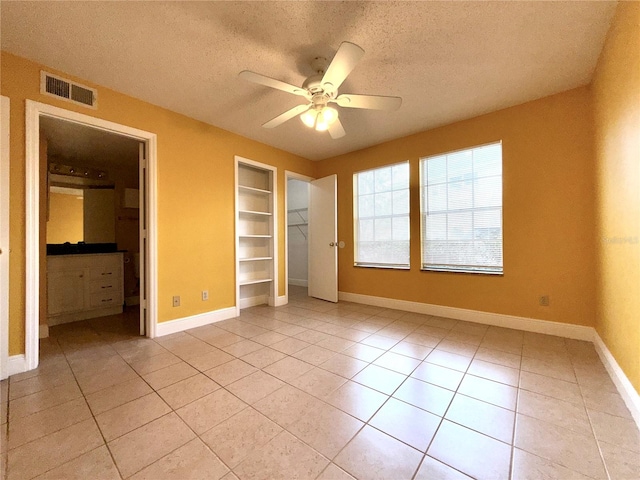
(315, 390)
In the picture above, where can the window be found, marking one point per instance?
(381, 216)
(461, 210)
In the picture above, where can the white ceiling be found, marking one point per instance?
(447, 60)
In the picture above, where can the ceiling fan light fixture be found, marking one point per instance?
(309, 118)
(319, 119)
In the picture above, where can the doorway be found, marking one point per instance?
(312, 236)
(35, 113)
(297, 234)
(90, 221)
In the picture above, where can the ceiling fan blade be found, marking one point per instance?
(273, 83)
(288, 115)
(336, 130)
(346, 58)
(373, 102)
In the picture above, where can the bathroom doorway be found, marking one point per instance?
(146, 143)
(89, 218)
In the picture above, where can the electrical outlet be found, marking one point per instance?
(176, 301)
(205, 295)
(544, 300)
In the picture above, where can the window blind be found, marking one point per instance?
(381, 217)
(461, 210)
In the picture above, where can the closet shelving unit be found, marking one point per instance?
(255, 233)
(298, 218)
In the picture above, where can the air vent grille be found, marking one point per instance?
(82, 95)
(58, 87)
(67, 90)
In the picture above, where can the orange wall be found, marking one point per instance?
(66, 218)
(195, 195)
(616, 99)
(548, 213)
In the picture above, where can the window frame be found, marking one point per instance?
(356, 217)
(474, 270)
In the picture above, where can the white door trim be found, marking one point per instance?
(4, 237)
(34, 110)
(303, 178)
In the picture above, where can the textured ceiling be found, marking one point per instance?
(447, 60)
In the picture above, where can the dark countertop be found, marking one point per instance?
(81, 248)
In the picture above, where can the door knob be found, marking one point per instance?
(333, 244)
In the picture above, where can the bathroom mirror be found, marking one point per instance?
(81, 214)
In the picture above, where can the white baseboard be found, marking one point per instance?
(279, 301)
(577, 332)
(625, 388)
(17, 364)
(298, 282)
(180, 324)
(43, 330)
(83, 315)
(253, 301)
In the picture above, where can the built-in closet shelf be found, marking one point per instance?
(256, 233)
(255, 281)
(252, 212)
(253, 189)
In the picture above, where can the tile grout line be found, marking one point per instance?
(593, 431)
(515, 425)
(313, 366)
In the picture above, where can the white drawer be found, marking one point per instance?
(105, 285)
(106, 271)
(107, 299)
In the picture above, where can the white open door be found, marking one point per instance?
(323, 239)
(142, 181)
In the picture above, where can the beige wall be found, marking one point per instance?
(66, 215)
(195, 195)
(616, 98)
(548, 213)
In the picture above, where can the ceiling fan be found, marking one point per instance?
(321, 89)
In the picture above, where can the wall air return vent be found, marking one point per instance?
(61, 88)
